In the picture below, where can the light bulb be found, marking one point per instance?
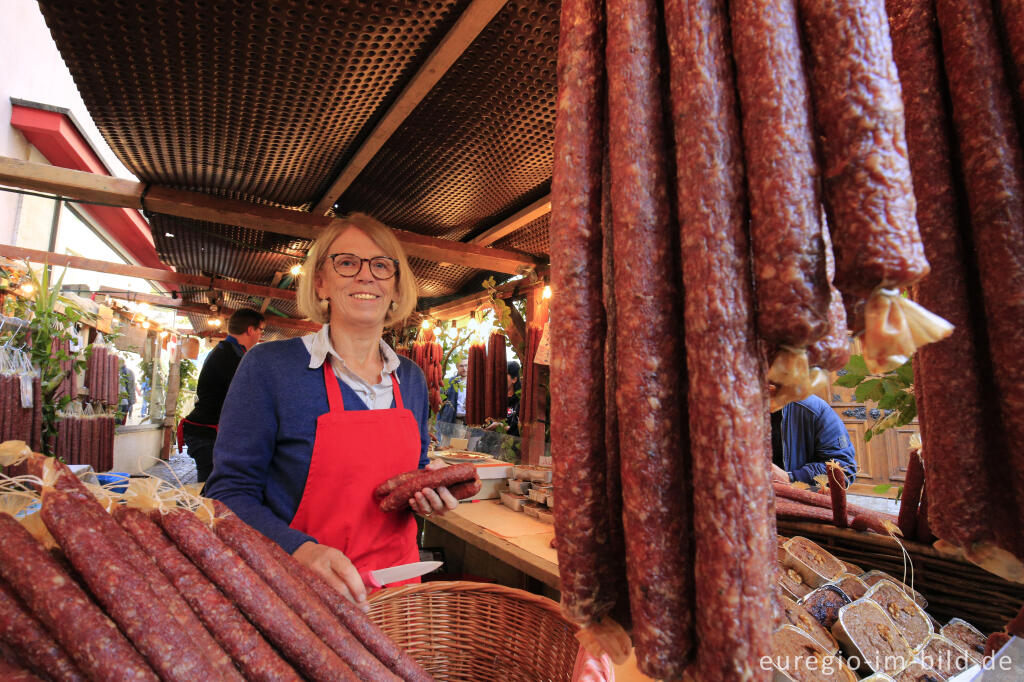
(215, 322)
(426, 324)
(546, 294)
(27, 288)
(437, 331)
(163, 334)
(296, 270)
(145, 324)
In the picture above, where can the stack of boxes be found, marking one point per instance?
(530, 491)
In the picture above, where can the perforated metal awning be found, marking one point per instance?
(274, 103)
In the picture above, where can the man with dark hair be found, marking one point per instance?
(199, 428)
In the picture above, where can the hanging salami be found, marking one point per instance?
(589, 588)
(782, 174)
(993, 168)
(656, 475)
(732, 496)
(869, 196)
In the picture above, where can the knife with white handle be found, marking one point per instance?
(395, 574)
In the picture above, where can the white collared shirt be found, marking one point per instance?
(374, 396)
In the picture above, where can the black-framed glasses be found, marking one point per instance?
(349, 265)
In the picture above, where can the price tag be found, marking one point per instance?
(26, 390)
(543, 355)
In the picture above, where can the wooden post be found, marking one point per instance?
(532, 432)
(171, 403)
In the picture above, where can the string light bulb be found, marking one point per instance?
(296, 270)
(145, 324)
(426, 324)
(27, 288)
(546, 294)
(215, 322)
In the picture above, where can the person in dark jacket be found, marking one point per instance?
(199, 428)
(515, 386)
(126, 390)
(455, 395)
(806, 434)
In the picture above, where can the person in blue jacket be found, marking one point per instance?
(806, 434)
(310, 426)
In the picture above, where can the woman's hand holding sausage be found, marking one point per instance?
(433, 500)
(334, 567)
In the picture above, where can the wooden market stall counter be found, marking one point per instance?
(512, 538)
(490, 540)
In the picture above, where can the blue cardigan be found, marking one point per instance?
(812, 434)
(266, 432)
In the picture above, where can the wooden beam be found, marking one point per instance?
(271, 320)
(76, 185)
(460, 307)
(157, 275)
(467, 27)
(136, 297)
(278, 276)
(512, 223)
(70, 184)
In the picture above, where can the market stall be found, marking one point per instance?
(727, 193)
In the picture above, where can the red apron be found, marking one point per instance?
(354, 451)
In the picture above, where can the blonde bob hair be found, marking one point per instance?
(382, 236)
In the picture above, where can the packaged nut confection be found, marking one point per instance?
(815, 565)
(871, 639)
(799, 658)
(910, 618)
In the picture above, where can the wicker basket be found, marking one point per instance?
(477, 631)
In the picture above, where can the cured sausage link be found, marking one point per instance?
(11, 672)
(255, 657)
(352, 617)
(616, 560)
(166, 596)
(247, 542)
(993, 167)
(859, 111)
(577, 323)
(20, 630)
(1011, 18)
(122, 590)
(782, 173)
(947, 375)
(426, 478)
(655, 479)
(733, 519)
(282, 626)
(89, 637)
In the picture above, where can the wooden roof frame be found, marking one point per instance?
(468, 26)
(89, 187)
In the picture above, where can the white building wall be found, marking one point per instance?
(32, 69)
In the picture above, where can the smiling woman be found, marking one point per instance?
(382, 242)
(313, 421)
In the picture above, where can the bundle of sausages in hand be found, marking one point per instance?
(461, 480)
(777, 207)
(151, 593)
